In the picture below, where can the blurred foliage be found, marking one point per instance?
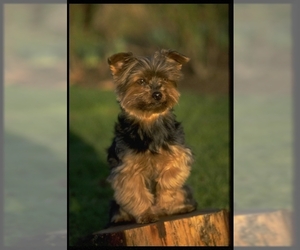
(199, 31)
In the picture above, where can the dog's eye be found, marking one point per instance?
(164, 79)
(141, 82)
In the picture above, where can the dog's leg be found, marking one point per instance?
(129, 182)
(174, 201)
(117, 214)
(172, 196)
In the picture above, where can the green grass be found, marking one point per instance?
(92, 116)
(35, 161)
(263, 151)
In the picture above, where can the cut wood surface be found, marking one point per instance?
(192, 229)
(263, 228)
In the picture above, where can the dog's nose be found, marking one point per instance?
(157, 96)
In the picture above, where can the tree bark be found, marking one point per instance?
(192, 229)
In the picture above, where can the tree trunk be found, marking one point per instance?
(192, 229)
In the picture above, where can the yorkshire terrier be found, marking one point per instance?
(149, 161)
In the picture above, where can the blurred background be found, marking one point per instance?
(35, 125)
(200, 31)
(263, 112)
(96, 31)
(263, 124)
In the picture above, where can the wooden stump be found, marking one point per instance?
(193, 229)
(268, 228)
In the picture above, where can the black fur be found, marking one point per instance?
(129, 134)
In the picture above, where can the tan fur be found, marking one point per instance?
(139, 195)
(133, 94)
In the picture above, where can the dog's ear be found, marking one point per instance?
(175, 56)
(118, 61)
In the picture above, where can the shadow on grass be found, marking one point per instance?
(89, 193)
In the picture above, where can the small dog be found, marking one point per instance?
(148, 159)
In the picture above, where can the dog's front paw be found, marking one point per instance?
(187, 208)
(117, 218)
(147, 217)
